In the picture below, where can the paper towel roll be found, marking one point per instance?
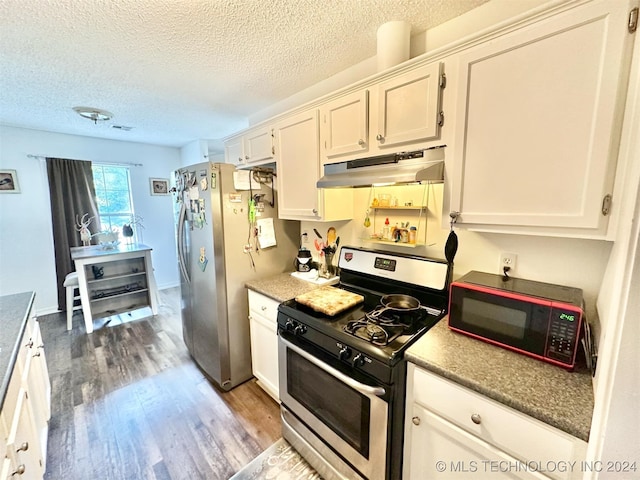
(394, 41)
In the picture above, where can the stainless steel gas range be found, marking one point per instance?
(343, 377)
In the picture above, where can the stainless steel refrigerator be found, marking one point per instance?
(222, 241)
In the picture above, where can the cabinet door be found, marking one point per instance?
(258, 145)
(22, 443)
(7, 469)
(439, 449)
(536, 132)
(264, 353)
(234, 151)
(409, 107)
(39, 386)
(297, 140)
(344, 127)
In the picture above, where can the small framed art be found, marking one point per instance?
(159, 186)
(9, 181)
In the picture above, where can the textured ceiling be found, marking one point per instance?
(181, 70)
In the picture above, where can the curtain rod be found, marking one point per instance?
(115, 164)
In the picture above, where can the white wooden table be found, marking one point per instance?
(115, 280)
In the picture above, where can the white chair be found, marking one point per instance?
(71, 285)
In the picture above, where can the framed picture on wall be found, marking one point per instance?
(9, 181)
(159, 186)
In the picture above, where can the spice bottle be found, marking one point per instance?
(385, 230)
(413, 231)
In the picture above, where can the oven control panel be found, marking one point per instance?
(385, 264)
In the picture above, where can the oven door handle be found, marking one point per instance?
(360, 387)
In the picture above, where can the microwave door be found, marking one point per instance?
(499, 319)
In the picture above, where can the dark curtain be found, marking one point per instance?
(72, 194)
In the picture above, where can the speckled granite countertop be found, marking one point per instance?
(549, 393)
(281, 287)
(14, 313)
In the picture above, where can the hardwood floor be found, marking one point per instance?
(129, 403)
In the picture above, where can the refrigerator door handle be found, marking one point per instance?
(181, 246)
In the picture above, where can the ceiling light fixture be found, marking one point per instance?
(94, 114)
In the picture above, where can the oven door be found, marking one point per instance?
(345, 414)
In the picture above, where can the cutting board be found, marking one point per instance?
(329, 300)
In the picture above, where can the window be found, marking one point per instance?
(113, 193)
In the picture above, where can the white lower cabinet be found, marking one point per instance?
(453, 432)
(24, 418)
(23, 445)
(263, 325)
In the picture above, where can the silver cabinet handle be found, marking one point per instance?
(315, 211)
(360, 387)
(475, 418)
(19, 471)
(416, 420)
(24, 447)
(361, 142)
(29, 344)
(263, 308)
(379, 137)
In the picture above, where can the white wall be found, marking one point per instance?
(26, 240)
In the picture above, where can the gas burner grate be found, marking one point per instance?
(381, 328)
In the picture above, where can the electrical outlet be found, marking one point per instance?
(507, 260)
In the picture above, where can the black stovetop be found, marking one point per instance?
(340, 327)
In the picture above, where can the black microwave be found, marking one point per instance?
(538, 319)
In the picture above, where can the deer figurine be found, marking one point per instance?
(82, 226)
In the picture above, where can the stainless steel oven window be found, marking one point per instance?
(340, 407)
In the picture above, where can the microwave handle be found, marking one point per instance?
(360, 387)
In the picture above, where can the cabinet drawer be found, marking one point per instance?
(496, 423)
(263, 305)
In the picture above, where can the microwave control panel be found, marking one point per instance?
(563, 335)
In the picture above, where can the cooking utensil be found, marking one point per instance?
(331, 236)
(396, 303)
(318, 233)
(451, 246)
(401, 303)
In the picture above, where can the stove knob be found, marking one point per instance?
(289, 325)
(358, 360)
(300, 330)
(345, 353)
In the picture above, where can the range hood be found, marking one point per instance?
(397, 168)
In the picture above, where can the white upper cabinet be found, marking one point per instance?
(298, 163)
(396, 114)
(253, 147)
(258, 145)
(537, 129)
(234, 151)
(297, 144)
(408, 108)
(345, 125)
